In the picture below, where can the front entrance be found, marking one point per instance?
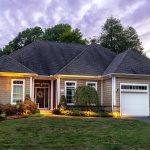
(41, 96)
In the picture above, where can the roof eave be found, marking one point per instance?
(17, 74)
(125, 75)
(77, 76)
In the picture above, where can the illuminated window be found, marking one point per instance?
(92, 84)
(17, 94)
(70, 87)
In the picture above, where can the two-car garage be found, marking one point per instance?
(134, 99)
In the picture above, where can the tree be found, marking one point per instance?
(1, 52)
(115, 37)
(24, 38)
(132, 40)
(64, 33)
(86, 96)
(59, 33)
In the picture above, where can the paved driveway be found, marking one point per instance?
(144, 119)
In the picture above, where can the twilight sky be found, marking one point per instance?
(88, 15)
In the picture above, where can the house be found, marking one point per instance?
(46, 70)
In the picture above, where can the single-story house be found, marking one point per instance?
(46, 70)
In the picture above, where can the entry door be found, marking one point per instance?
(42, 97)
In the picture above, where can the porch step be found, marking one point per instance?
(45, 112)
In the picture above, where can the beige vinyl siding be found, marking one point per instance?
(107, 92)
(80, 82)
(5, 88)
(128, 80)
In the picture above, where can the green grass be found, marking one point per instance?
(74, 133)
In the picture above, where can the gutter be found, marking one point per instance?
(124, 75)
(76, 76)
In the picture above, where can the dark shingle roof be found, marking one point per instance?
(129, 62)
(8, 64)
(50, 58)
(93, 61)
(47, 58)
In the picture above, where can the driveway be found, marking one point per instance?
(144, 119)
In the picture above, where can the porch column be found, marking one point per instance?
(58, 92)
(52, 97)
(101, 92)
(113, 91)
(32, 88)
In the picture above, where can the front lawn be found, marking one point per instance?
(74, 133)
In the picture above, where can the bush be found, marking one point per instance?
(56, 112)
(10, 110)
(80, 113)
(3, 116)
(105, 114)
(62, 104)
(27, 107)
(1, 108)
(37, 111)
(86, 96)
(71, 112)
(90, 114)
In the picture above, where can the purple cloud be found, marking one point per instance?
(88, 15)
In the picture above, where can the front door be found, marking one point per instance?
(42, 97)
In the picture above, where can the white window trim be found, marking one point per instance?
(12, 89)
(134, 90)
(88, 82)
(66, 90)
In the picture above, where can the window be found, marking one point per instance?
(70, 87)
(92, 84)
(17, 93)
(134, 87)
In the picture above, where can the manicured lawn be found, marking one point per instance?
(74, 133)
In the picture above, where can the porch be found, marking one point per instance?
(44, 93)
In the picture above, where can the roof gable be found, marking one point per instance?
(8, 64)
(47, 58)
(129, 62)
(93, 61)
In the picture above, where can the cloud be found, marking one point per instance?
(88, 15)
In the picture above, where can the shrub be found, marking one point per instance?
(3, 116)
(62, 104)
(105, 114)
(115, 114)
(56, 112)
(80, 113)
(10, 109)
(1, 108)
(27, 107)
(71, 112)
(37, 111)
(90, 114)
(86, 96)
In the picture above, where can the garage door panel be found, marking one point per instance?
(135, 104)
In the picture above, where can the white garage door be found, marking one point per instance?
(134, 100)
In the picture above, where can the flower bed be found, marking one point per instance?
(85, 113)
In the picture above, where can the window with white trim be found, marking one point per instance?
(92, 84)
(134, 87)
(70, 87)
(17, 94)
